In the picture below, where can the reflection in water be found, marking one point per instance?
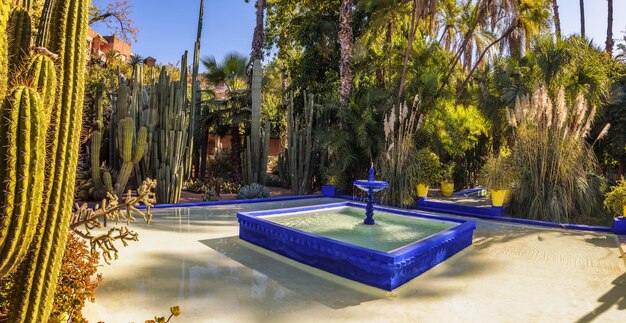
(330, 290)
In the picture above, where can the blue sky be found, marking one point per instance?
(168, 27)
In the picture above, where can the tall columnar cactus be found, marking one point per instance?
(131, 143)
(131, 153)
(19, 36)
(255, 155)
(4, 61)
(194, 140)
(300, 144)
(23, 127)
(36, 277)
(169, 98)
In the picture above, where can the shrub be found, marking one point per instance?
(556, 169)
(77, 283)
(253, 191)
(209, 194)
(447, 172)
(195, 186)
(497, 174)
(428, 167)
(398, 165)
(616, 199)
(272, 180)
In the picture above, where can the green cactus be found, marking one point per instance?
(194, 139)
(4, 61)
(42, 73)
(300, 143)
(126, 138)
(19, 29)
(130, 146)
(36, 277)
(171, 151)
(257, 148)
(23, 127)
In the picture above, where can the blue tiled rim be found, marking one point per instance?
(493, 214)
(385, 270)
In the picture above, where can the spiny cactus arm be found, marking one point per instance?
(85, 219)
(4, 61)
(24, 125)
(42, 73)
(96, 144)
(19, 37)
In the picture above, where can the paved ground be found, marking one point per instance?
(511, 273)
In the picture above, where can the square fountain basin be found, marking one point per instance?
(369, 256)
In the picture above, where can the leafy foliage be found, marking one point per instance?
(428, 167)
(615, 200)
(498, 174)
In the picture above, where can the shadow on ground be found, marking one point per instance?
(321, 287)
(616, 296)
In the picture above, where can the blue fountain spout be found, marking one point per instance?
(370, 186)
(370, 178)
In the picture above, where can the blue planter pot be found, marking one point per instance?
(329, 191)
(619, 225)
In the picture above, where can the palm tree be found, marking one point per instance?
(609, 29)
(346, 41)
(230, 72)
(134, 61)
(111, 56)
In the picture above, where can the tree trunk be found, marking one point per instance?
(609, 29)
(582, 18)
(346, 43)
(412, 31)
(257, 40)
(557, 19)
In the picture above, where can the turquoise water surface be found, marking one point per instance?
(345, 224)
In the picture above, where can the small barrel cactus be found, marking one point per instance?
(253, 191)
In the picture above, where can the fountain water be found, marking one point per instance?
(370, 186)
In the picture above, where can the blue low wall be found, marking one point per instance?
(231, 202)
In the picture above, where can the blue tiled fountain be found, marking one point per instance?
(386, 253)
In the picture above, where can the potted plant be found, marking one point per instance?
(428, 170)
(447, 179)
(497, 176)
(615, 201)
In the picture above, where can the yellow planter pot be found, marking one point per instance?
(624, 211)
(499, 197)
(422, 190)
(447, 189)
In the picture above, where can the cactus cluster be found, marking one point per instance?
(148, 134)
(130, 141)
(300, 145)
(257, 148)
(40, 131)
